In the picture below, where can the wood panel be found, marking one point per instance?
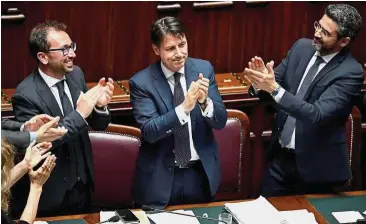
(114, 37)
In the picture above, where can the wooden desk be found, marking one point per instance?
(281, 203)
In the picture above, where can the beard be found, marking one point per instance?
(60, 68)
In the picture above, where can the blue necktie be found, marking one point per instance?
(290, 123)
(182, 149)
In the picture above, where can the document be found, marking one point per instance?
(299, 217)
(261, 211)
(255, 211)
(169, 218)
(347, 216)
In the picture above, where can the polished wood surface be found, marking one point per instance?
(281, 203)
(114, 37)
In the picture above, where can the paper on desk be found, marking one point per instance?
(347, 216)
(40, 222)
(141, 215)
(169, 218)
(255, 211)
(298, 217)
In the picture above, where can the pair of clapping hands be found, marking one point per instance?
(261, 75)
(100, 95)
(198, 91)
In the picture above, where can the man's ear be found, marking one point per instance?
(42, 57)
(156, 49)
(345, 41)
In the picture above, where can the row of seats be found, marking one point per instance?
(115, 151)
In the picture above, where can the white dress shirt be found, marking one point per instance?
(182, 116)
(278, 97)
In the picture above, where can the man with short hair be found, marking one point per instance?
(58, 88)
(314, 88)
(176, 104)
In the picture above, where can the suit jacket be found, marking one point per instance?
(32, 97)
(10, 130)
(153, 109)
(320, 138)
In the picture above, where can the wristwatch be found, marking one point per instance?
(275, 91)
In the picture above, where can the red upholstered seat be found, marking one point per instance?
(354, 148)
(234, 154)
(115, 151)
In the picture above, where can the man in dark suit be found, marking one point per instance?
(315, 88)
(40, 128)
(176, 104)
(56, 88)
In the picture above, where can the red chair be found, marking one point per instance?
(115, 151)
(353, 128)
(234, 152)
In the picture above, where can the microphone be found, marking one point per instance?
(112, 219)
(147, 208)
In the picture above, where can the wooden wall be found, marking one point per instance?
(114, 37)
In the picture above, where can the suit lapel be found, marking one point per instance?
(46, 95)
(331, 65)
(300, 70)
(74, 90)
(162, 86)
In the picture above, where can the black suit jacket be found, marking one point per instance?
(32, 97)
(320, 138)
(10, 130)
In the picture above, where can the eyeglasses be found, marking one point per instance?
(324, 32)
(65, 50)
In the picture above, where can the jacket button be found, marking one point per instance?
(170, 168)
(66, 179)
(68, 158)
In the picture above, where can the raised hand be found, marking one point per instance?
(87, 101)
(190, 99)
(108, 89)
(36, 153)
(41, 175)
(50, 132)
(36, 122)
(203, 88)
(257, 64)
(263, 81)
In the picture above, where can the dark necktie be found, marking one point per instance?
(290, 123)
(182, 149)
(65, 101)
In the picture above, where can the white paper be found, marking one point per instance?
(169, 218)
(141, 215)
(347, 216)
(40, 222)
(255, 211)
(364, 212)
(298, 217)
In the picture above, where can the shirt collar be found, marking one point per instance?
(50, 81)
(328, 57)
(169, 73)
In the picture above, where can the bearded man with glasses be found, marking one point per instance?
(314, 90)
(57, 88)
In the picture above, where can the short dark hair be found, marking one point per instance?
(164, 26)
(38, 36)
(349, 21)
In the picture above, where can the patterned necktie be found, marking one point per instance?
(290, 123)
(182, 149)
(65, 101)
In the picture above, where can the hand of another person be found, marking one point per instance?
(203, 88)
(261, 80)
(36, 122)
(50, 132)
(108, 89)
(36, 153)
(87, 101)
(41, 175)
(190, 99)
